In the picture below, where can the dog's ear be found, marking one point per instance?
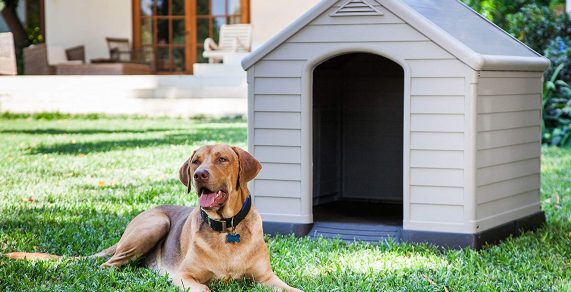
(184, 174)
(249, 166)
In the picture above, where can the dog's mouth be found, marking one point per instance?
(209, 199)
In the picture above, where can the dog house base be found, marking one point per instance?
(444, 239)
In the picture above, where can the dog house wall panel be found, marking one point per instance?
(508, 148)
(471, 139)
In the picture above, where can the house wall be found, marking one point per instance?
(508, 146)
(438, 186)
(268, 17)
(71, 23)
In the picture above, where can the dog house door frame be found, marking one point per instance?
(307, 127)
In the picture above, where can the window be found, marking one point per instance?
(169, 34)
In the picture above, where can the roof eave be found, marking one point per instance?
(513, 63)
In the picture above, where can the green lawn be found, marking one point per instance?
(69, 185)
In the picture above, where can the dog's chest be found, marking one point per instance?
(227, 260)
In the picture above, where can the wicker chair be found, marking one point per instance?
(36, 61)
(37, 58)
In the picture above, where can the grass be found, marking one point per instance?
(70, 184)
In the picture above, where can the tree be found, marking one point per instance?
(10, 14)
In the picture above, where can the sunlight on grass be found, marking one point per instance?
(374, 261)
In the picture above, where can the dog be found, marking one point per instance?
(223, 239)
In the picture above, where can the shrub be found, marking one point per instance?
(537, 26)
(556, 128)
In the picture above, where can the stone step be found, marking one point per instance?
(136, 94)
(218, 70)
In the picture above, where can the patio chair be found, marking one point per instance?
(76, 54)
(234, 38)
(119, 49)
(41, 59)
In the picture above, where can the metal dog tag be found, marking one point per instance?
(232, 238)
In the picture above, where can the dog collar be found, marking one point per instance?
(225, 223)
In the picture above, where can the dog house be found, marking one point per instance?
(414, 119)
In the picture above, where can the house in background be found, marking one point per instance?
(166, 34)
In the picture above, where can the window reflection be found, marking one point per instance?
(147, 7)
(162, 7)
(178, 7)
(234, 7)
(218, 7)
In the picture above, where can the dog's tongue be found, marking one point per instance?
(209, 200)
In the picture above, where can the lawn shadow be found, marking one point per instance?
(227, 135)
(62, 230)
(51, 131)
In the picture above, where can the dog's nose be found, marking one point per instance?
(201, 174)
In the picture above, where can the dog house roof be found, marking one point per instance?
(454, 26)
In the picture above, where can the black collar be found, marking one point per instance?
(225, 223)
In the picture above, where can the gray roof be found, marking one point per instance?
(470, 28)
(449, 23)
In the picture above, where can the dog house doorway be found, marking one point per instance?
(358, 147)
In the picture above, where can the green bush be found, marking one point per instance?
(537, 26)
(546, 32)
(556, 128)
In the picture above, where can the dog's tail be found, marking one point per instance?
(46, 256)
(31, 256)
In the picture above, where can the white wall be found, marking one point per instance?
(87, 22)
(269, 17)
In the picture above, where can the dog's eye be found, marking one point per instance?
(195, 161)
(222, 159)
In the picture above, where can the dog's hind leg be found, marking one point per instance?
(141, 235)
(105, 253)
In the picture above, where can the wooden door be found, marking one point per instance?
(169, 34)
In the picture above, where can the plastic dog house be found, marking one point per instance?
(422, 105)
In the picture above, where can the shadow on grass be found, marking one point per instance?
(61, 230)
(229, 135)
(78, 131)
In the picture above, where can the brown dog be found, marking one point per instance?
(183, 242)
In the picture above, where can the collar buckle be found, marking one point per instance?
(223, 222)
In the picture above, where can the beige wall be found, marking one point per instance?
(269, 17)
(87, 22)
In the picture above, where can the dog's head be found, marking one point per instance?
(219, 174)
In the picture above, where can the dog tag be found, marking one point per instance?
(232, 238)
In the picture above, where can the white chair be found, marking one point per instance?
(234, 39)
